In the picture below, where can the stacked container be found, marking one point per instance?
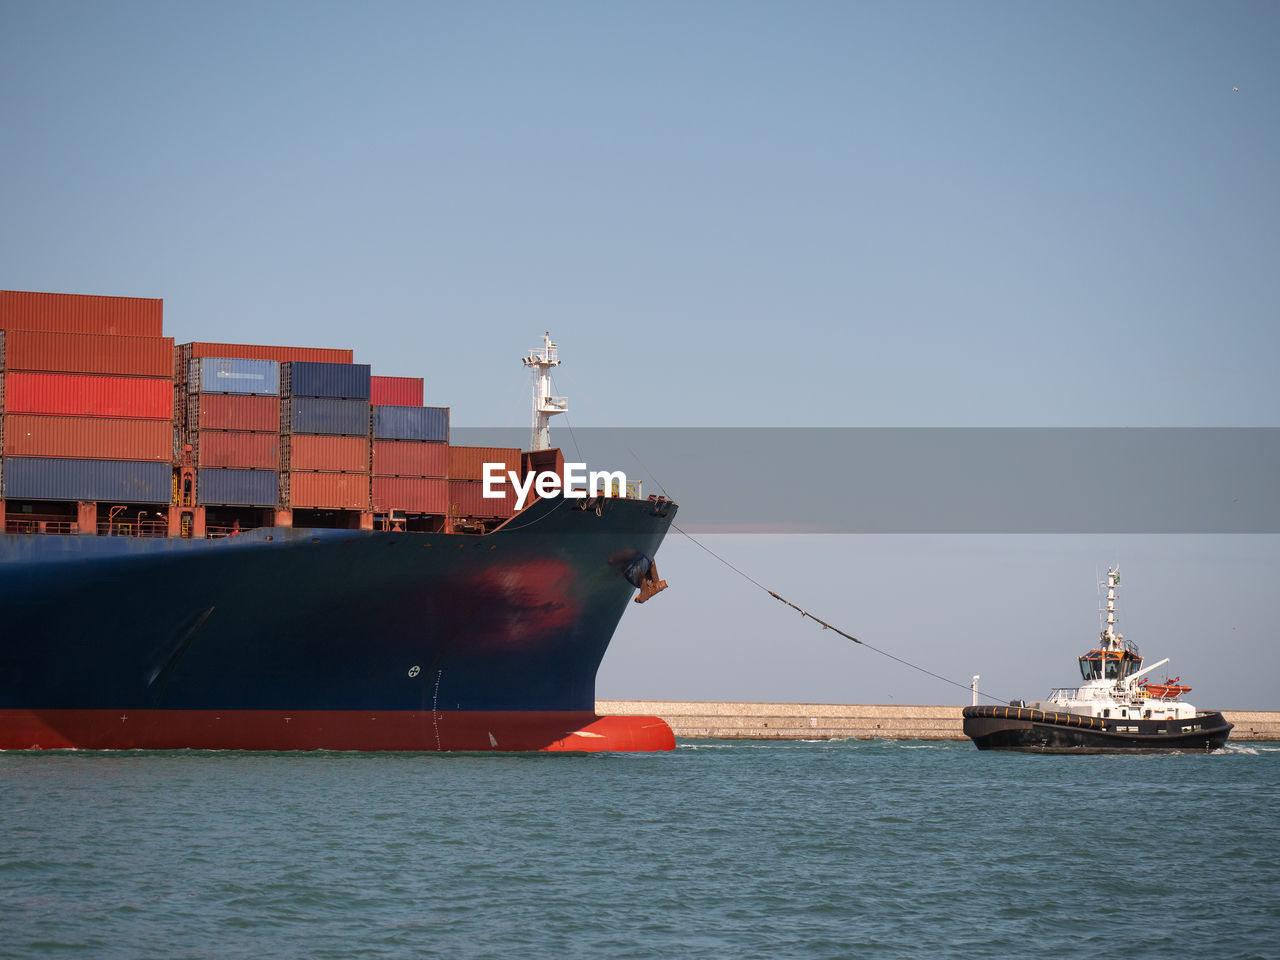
(410, 450)
(396, 391)
(86, 388)
(233, 428)
(324, 435)
(466, 482)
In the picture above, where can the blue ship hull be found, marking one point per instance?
(295, 639)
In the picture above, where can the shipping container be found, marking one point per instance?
(328, 491)
(467, 499)
(339, 381)
(237, 488)
(348, 418)
(467, 463)
(231, 375)
(410, 458)
(308, 452)
(116, 481)
(88, 438)
(254, 351)
(79, 313)
(40, 351)
(82, 395)
(411, 423)
(411, 494)
(396, 391)
(235, 448)
(226, 411)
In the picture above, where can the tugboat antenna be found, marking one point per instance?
(545, 406)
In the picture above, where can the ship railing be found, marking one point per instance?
(1065, 693)
(40, 525)
(217, 532)
(133, 528)
(634, 490)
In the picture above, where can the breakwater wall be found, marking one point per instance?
(814, 721)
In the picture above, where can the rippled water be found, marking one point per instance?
(866, 849)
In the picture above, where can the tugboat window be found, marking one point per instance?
(1113, 669)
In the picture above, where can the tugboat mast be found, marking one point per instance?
(1109, 637)
(545, 406)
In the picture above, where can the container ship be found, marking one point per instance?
(240, 546)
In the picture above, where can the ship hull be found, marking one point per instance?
(462, 730)
(324, 639)
(1036, 731)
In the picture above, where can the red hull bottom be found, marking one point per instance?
(328, 730)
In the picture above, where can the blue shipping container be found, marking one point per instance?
(237, 488)
(321, 415)
(411, 423)
(341, 381)
(122, 481)
(225, 375)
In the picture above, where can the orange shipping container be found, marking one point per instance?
(410, 458)
(411, 494)
(467, 463)
(254, 351)
(218, 411)
(79, 395)
(348, 454)
(38, 350)
(328, 491)
(78, 313)
(231, 448)
(467, 499)
(88, 438)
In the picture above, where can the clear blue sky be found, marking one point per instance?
(728, 214)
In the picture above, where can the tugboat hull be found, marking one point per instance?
(1037, 731)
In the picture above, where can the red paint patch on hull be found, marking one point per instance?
(328, 730)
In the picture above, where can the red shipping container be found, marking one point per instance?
(396, 391)
(411, 494)
(78, 313)
(37, 350)
(410, 458)
(78, 395)
(328, 491)
(348, 454)
(254, 351)
(467, 463)
(234, 448)
(219, 411)
(467, 499)
(88, 438)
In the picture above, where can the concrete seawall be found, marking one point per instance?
(815, 721)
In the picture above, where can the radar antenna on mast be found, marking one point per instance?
(545, 406)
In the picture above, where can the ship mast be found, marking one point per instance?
(1109, 637)
(545, 406)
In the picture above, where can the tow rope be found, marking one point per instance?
(829, 626)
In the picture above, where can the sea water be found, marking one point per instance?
(736, 850)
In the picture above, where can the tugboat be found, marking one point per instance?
(1111, 712)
